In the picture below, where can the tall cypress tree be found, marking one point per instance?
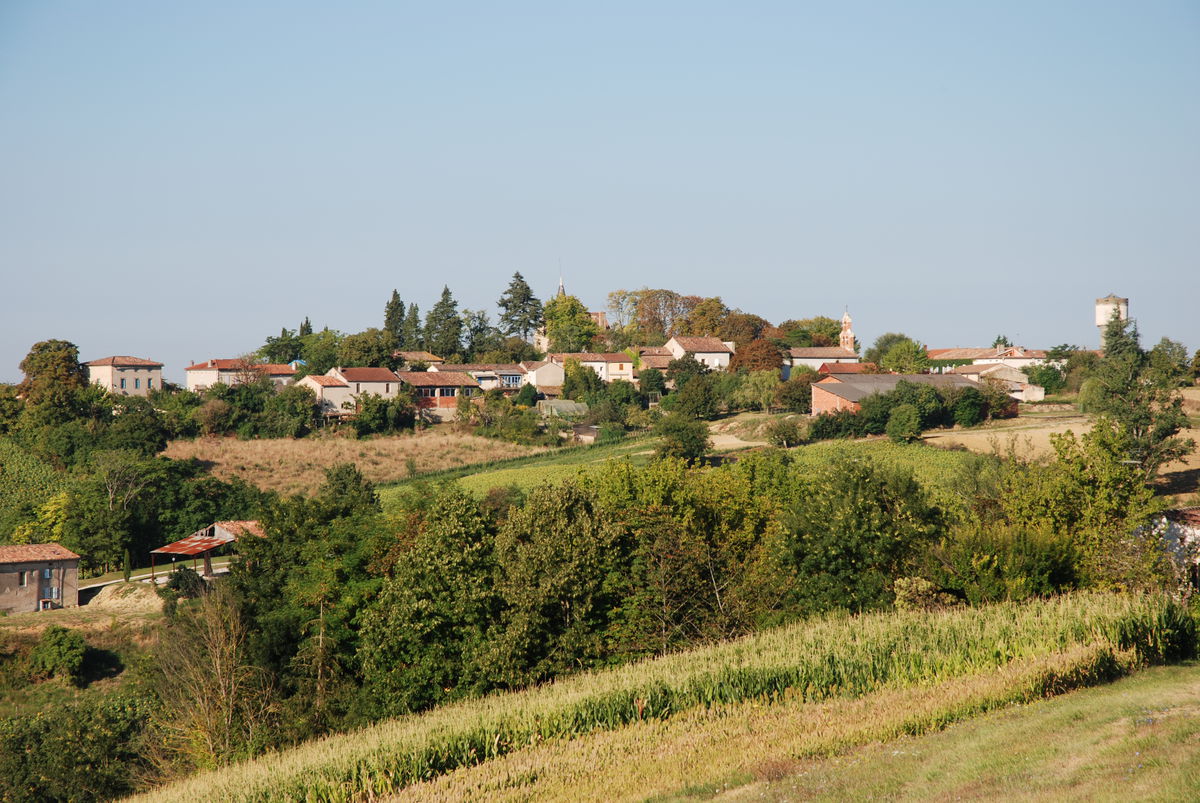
(443, 327)
(393, 318)
(410, 334)
(521, 312)
(305, 327)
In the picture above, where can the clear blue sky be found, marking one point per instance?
(179, 180)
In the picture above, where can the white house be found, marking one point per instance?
(125, 376)
(204, 375)
(709, 351)
(816, 356)
(546, 377)
(1013, 356)
(333, 395)
(609, 366)
(376, 381)
(1016, 383)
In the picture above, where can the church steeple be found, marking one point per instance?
(846, 338)
(562, 288)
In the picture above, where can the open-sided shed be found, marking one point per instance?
(201, 543)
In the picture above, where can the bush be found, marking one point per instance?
(785, 432)
(682, 437)
(841, 424)
(186, 582)
(969, 408)
(59, 654)
(904, 424)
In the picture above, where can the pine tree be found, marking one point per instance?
(443, 327)
(410, 334)
(521, 311)
(393, 318)
(305, 328)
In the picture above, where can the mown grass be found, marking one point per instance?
(521, 472)
(1137, 739)
(831, 657)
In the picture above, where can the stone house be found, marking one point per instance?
(125, 376)
(36, 577)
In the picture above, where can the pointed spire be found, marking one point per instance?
(846, 338)
(562, 288)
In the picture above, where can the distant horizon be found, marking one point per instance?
(183, 180)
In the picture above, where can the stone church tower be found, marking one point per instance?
(846, 339)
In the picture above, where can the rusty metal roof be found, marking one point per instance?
(211, 537)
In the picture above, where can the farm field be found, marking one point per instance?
(298, 466)
(1137, 739)
(710, 716)
(525, 473)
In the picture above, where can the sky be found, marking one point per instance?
(180, 180)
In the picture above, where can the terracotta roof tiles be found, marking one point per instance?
(34, 553)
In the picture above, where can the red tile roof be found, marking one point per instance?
(126, 362)
(504, 368)
(703, 345)
(417, 356)
(366, 374)
(656, 361)
(35, 553)
(588, 356)
(993, 353)
(326, 381)
(654, 351)
(437, 379)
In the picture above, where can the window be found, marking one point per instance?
(446, 391)
(387, 388)
(22, 579)
(149, 384)
(47, 574)
(137, 383)
(427, 392)
(122, 383)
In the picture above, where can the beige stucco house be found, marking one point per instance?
(608, 366)
(375, 381)
(35, 577)
(204, 375)
(333, 395)
(125, 376)
(709, 351)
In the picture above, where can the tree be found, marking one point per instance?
(320, 350)
(521, 312)
(757, 355)
(579, 381)
(707, 318)
(1168, 364)
(393, 319)
(759, 389)
(906, 357)
(479, 336)
(1001, 341)
(662, 311)
(742, 328)
(413, 336)
(305, 327)
(818, 331)
(370, 348)
(443, 327)
(904, 424)
(651, 380)
(683, 369)
(796, 393)
(283, 349)
(881, 346)
(698, 398)
(682, 437)
(1140, 399)
(52, 373)
(568, 325)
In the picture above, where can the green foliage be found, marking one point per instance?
(1048, 376)
(521, 312)
(284, 349)
(52, 372)
(291, 413)
(59, 654)
(379, 416)
(796, 393)
(969, 408)
(393, 319)
(698, 398)
(444, 328)
(320, 350)
(26, 483)
(370, 348)
(905, 357)
(579, 381)
(759, 389)
(186, 582)
(682, 437)
(786, 432)
(853, 529)
(998, 562)
(651, 380)
(882, 345)
(91, 749)
(904, 424)
(568, 325)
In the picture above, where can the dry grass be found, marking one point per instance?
(298, 466)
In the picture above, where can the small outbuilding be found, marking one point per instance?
(200, 544)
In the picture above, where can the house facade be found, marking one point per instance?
(204, 375)
(815, 356)
(125, 376)
(1015, 383)
(1017, 357)
(333, 395)
(546, 377)
(608, 366)
(437, 392)
(375, 381)
(708, 351)
(36, 577)
(507, 377)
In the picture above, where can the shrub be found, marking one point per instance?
(682, 437)
(59, 654)
(969, 408)
(785, 432)
(904, 424)
(186, 582)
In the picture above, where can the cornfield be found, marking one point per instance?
(837, 656)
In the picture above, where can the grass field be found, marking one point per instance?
(1137, 739)
(298, 466)
(835, 673)
(526, 472)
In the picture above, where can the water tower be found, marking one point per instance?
(1105, 308)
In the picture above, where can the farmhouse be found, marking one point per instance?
(1013, 356)
(37, 577)
(709, 351)
(333, 395)
(1015, 383)
(816, 356)
(375, 381)
(846, 392)
(609, 366)
(125, 376)
(204, 375)
(508, 377)
(437, 392)
(546, 377)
